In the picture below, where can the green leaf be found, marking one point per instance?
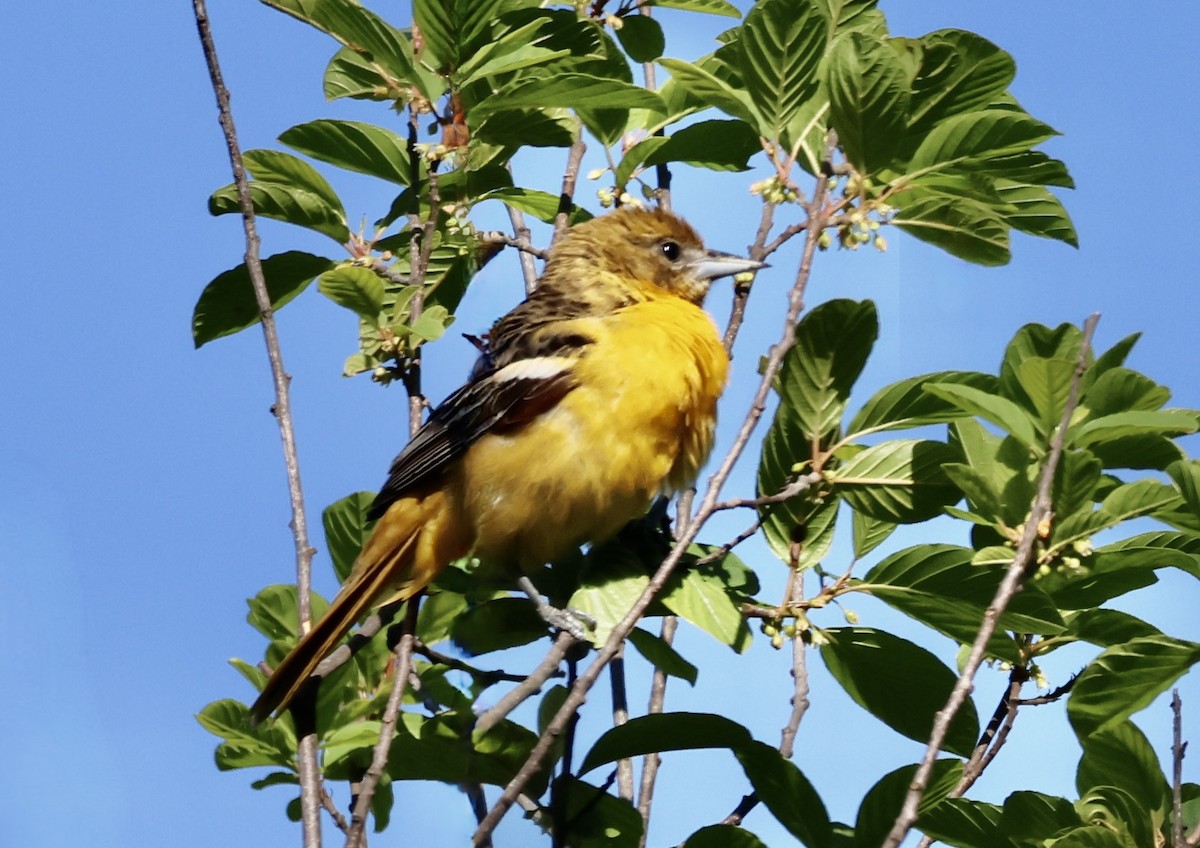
(786, 792)
(355, 146)
(1032, 167)
(528, 128)
(661, 732)
(959, 72)
(1167, 422)
(833, 342)
(1045, 382)
(901, 480)
(901, 684)
(781, 44)
(1094, 836)
(717, 145)
(1034, 816)
(710, 89)
(959, 821)
(712, 7)
(1105, 627)
(868, 99)
(906, 403)
(881, 804)
(275, 166)
(940, 586)
(1121, 756)
(431, 324)
(364, 32)
(1037, 212)
(700, 597)
(608, 593)
(227, 304)
(983, 498)
(287, 203)
(1126, 678)
(358, 289)
(597, 819)
(1118, 389)
(571, 90)
(723, 836)
(642, 37)
(662, 656)
(1118, 811)
(346, 529)
(453, 30)
(246, 745)
(869, 533)
(540, 204)
(498, 624)
(978, 136)
(961, 227)
(990, 407)
(438, 613)
(515, 50)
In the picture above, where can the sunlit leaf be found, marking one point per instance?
(868, 99)
(355, 146)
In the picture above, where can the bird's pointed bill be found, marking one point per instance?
(715, 264)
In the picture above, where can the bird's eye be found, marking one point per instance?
(671, 250)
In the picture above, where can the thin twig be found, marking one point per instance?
(567, 198)
(652, 761)
(1009, 586)
(529, 251)
(741, 291)
(310, 776)
(1177, 751)
(578, 693)
(523, 241)
(787, 740)
(391, 713)
(791, 490)
(482, 675)
(334, 813)
(531, 685)
(620, 714)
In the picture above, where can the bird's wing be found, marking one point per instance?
(498, 402)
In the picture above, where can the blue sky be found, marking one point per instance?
(142, 493)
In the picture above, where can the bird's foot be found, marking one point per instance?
(576, 622)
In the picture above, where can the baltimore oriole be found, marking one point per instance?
(596, 394)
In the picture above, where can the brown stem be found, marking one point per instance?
(523, 241)
(741, 291)
(652, 761)
(356, 838)
(311, 788)
(616, 673)
(567, 197)
(1177, 752)
(546, 669)
(1009, 586)
(578, 693)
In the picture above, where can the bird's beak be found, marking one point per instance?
(714, 264)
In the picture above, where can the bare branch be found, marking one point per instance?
(532, 684)
(1009, 586)
(567, 197)
(616, 673)
(311, 789)
(800, 701)
(528, 250)
(791, 490)
(481, 674)
(658, 697)
(741, 291)
(356, 838)
(578, 692)
(523, 241)
(1177, 751)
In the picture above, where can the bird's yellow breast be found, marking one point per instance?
(640, 421)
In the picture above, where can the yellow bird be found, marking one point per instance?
(597, 393)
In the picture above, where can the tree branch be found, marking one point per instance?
(1009, 586)
(356, 838)
(567, 198)
(652, 761)
(620, 711)
(1177, 752)
(311, 789)
(546, 669)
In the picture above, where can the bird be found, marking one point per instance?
(592, 397)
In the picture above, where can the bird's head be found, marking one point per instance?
(642, 249)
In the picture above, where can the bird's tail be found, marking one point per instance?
(409, 545)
